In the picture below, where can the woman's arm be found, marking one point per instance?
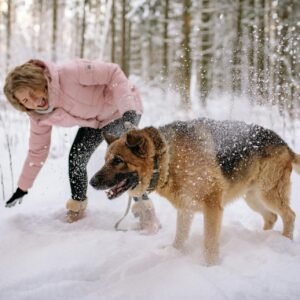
(39, 143)
(125, 95)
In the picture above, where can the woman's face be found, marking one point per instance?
(32, 99)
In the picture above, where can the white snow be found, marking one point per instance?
(42, 257)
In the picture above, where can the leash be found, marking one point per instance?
(124, 216)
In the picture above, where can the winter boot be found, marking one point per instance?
(76, 210)
(144, 210)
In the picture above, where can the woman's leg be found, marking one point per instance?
(85, 143)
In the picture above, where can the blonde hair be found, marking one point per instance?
(28, 75)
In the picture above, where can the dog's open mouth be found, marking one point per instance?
(121, 187)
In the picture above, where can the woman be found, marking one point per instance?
(94, 95)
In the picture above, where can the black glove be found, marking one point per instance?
(16, 197)
(131, 116)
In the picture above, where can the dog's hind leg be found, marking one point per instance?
(253, 200)
(213, 213)
(183, 226)
(276, 198)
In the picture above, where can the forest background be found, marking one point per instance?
(196, 48)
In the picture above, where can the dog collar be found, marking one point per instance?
(155, 176)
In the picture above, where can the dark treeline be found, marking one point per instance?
(241, 47)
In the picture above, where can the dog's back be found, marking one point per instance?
(234, 143)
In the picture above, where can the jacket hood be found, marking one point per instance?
(52, 77)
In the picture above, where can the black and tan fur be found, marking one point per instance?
(203, 165)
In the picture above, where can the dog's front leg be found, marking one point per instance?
(183, 225)
(213, 214)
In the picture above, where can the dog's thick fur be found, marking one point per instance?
(203, 165)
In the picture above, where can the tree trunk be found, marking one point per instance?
(40, 48)
(83, 28)
(8, 35)
(107, 22)
(250, 55)
(260, 6)
(124, 64)
(282, 75)
(128, 47)
(165, 69)
(54, 30)
(185, 61)
(272, 50)
(237, 50)
(76, 34)
(267, 50)
(206, 55)
(113, 32)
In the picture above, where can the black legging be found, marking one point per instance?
(85, 143)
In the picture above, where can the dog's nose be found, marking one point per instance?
(94, 182)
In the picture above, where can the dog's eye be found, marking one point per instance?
(117, 160)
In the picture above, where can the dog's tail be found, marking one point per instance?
(296, 162)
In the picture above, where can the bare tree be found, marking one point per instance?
(250, 28)
(41, 6)
(8, 34)
(282, 84)
(185, 61)
(237, 48)
(54, 29)
(113, 32)
(108, 21)
(124, 62)
(206, 51)
(165, 40)
(83, 28)
(260, 48)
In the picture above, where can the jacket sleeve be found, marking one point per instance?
(39, 144)
(124, 94)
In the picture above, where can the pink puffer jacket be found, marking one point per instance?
(83, 93)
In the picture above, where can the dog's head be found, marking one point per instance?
(128, 162)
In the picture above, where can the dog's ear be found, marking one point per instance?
(159, 144)
(136, 143)
(109, 138)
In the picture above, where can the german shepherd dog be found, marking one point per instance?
(200, 166)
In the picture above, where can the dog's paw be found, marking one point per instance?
(178, 245)
(150, 228)
(211, 260)
(167, 250)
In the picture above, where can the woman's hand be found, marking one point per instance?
(16, 197)
(131, 119)
(130, 116)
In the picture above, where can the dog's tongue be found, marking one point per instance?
(114, 191)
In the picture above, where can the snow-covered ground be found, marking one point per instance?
(42, 257)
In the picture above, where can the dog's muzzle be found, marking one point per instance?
(121, 183)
